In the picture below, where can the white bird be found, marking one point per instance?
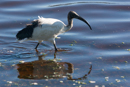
(47, 29)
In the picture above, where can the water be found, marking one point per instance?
(98, 57)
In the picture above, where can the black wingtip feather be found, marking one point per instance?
(27, 31)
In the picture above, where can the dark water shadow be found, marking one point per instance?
(47, 69)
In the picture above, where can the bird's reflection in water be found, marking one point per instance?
(47, 69)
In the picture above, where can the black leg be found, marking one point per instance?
(55, 47)
(37, 46)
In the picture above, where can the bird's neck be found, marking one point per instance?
(70, 25)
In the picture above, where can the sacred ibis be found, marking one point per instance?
(47, 29)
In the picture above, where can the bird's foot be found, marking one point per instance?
(37, 51)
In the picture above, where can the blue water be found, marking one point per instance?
(92, 55)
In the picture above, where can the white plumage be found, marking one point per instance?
(47, 29)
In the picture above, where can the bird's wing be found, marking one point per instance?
(27, 31)
(47, 29)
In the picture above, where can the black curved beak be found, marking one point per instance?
(80, 18)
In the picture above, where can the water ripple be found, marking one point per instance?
(106, 47)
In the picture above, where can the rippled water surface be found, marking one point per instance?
(93, 58)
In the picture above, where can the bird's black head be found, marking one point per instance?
(73, 14)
